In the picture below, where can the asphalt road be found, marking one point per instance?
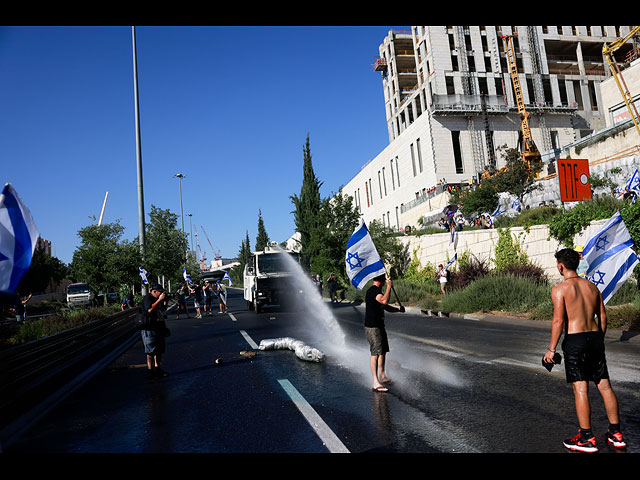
(460, 385)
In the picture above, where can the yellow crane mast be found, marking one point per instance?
(530, 152)
(607, 52)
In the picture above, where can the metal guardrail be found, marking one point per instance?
(37, 375)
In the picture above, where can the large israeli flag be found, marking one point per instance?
(362, 261)
(18, 238)
(610, 240)
(610, 257)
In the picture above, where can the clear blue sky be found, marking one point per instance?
(229, 107)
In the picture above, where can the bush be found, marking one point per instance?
(501, 292)
(533, 272)
(469, 269)
(528, 218)
(566, 226)
(509, 251)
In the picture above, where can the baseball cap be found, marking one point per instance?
(579, 248)
(157, 287)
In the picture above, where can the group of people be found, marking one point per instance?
(579, 314)
(203, 298)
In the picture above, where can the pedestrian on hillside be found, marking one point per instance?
(376, 303)
(197, 302)
(153, 334)
(576, 304)
(181, 296)
(222, 296)
(442, 275)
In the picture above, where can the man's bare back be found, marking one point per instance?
(578, 301)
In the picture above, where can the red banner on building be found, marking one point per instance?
(573, 176)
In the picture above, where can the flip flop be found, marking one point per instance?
(380, 389)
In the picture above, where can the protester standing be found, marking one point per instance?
(376, 304)
(197, 302)
(442, 274)
(332, 285)
(154, 332)
(222, 296)
(181, 295)
(576, 304)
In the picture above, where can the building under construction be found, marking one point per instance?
(455, 94)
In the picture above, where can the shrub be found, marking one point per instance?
(509, 251)
(533, 272)
(468, 270)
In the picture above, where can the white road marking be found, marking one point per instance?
(249, 339)
(328, 437)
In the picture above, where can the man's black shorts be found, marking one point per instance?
(584, 357)
(378, 342)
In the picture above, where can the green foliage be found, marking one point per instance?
(44, 270)
(393, 253)
(509, 251)
(468, 270)
(166, 245)
(528, 218)
(482, 199)
(497, 292)
(574, 220)
(262, 239)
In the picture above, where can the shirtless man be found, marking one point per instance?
(576, 303)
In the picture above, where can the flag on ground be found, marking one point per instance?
(362, 260)
(610, 257)
(18, 238)
(143, 274)
(227, 277)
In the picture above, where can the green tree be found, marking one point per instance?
(337, 219)
(237, 272)
(308, 203)
(517, 176)
(166, 245)
(262, 239)
(44, 271)
(393, 254)
(96, 261)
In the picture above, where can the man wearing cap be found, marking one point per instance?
(583, 265)
(153, 335)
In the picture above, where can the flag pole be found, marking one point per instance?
(392, 287)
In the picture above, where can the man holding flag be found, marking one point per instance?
(363, 264)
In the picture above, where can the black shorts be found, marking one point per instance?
(378, 342)
(584, 357)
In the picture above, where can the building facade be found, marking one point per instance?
(450, 106)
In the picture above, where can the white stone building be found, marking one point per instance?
(450, 104)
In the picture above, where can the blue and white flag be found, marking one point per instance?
(633, 181)
(499, 211)
(187, 277)
(451, 262)
(516, 204)
(610, 257)
(227, 277)
(143, 274)
(610, 240)
(609, 276)
(18, 238)
(362, 260)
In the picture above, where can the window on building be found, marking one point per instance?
(418, 149)
(457, 151)
(413, 160)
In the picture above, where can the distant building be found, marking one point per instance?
(450, 103)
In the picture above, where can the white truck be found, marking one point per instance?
(81, 295)
(270, 279)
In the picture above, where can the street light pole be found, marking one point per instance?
(191, 230)
(180, 176)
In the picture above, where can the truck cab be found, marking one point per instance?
(270, 279)
(81, 295)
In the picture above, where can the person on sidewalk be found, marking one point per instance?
(376, 304)
(576, 303)
(153, 335)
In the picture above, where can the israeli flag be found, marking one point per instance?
(499, 211)
(451, 262)
(516, 204)
(362, 260)
(227, 277)
(634, 181)
(18, 237)
(610, 240)
(609, 276)
(143, 274)
(610, 257)
(187, 277)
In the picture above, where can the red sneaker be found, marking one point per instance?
(616, 440)
(580, 444)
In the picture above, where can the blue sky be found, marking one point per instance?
(229, 107)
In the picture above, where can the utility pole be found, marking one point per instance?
(180, 176)
(141, 226)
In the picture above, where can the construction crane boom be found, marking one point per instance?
(607, 52)
(530, 151)
(216, 255)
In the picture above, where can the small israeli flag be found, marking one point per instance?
(18, 238)
(362, 260)
(634, 181)
(516, 204)
(227, 277)
(143, 274)
(499, 211)
(451, 262)
(187, 277)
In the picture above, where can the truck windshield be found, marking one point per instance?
(275, 263)
(73, 289)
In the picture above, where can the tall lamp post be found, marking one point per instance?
(180, 176)
(191, 230)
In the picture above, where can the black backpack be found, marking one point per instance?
(141, 320)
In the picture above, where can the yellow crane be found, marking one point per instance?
(607, 52)
(530, 152)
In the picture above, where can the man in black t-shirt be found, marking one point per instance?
(376, 303)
